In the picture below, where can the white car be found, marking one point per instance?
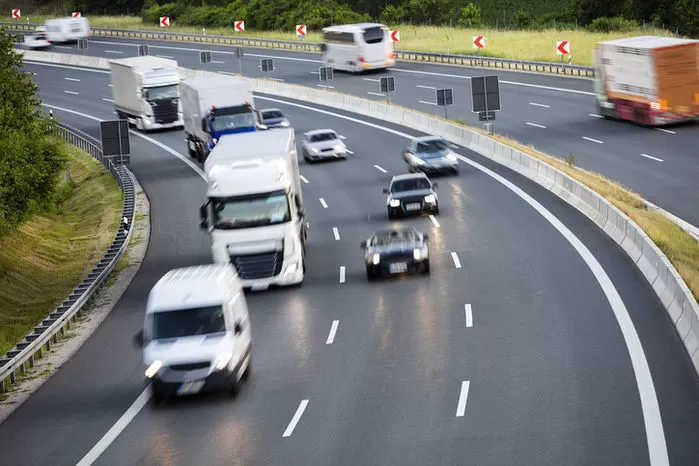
(37, 40)
(322, 144)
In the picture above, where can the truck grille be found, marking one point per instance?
(191, 366)
(252, 266)
(164, 111)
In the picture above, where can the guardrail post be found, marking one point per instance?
(31, 361)
(12, 378)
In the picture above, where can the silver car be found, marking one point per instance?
(322, 144)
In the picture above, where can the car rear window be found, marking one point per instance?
(373, 35)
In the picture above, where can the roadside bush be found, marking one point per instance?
(616, 24)
(470, 16)
(392, 15)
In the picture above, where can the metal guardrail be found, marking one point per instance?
(409, 55)
(43, 335)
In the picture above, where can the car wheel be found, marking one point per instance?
(157, 398)
(370, 275)
(436, 210)
(235, 388)
(426, 267)
(390, 214)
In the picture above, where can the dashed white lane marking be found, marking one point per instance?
(434, 221)
(455, 258)
(324, 86)
(72, 79)
(219, 62)
(295, 420)
(64, 47)
(323, 203)
(652, 158)
(116, 429)
(666, 130)
(381, 169)
(425, 87)
(333, 331)
(336, 234)
(469, 315)
(165, 56)
(426, 102)
(376, 94)
(592, 140)
(72, 92)
(277, 79)
(350, 152)
(595, 115)
(463, 397)
(107, 100)
(535, 125)
(342, 274)
(113, 51)
(370, 79)
(539, 105)
(303, 178)
(109, 85)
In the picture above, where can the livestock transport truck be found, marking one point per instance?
(652, 81)
(146, 92)
(214, 107)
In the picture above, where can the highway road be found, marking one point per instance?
(555, 114)
(509, 353)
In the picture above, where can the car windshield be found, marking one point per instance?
(230, 214)
(410, 185)
(235, 121)
(187, 322)
(272, 114)
(322, 137)
(393, 237)
(433, 146)
(162, 92)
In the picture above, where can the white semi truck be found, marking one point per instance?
(254, 211)
(146, 92)
(214, 107)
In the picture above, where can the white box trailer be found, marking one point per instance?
(146, 92)
(214, 107)
(254, 211)
(67, 29)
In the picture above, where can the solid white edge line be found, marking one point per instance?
(336, 234)
(434, 221)
(342, 274)
(652, 158)
(463, 397)
(455, 258)
(539, 105)
(303, 178)
(380, 168)
(99, 448)
(592, 140)
(333, 331)
(468, 313)
(323, 203)
(295, 420)
(536, 125)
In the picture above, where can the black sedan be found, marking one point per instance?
(396, 252)
(274, 118)
(431, 154)
(411, 194)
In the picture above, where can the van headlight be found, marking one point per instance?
(223, 360)
(154, 368)
(376, 258)
(394, 202)
(429, 199)
(417, 254)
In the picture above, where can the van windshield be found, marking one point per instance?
(187, 322)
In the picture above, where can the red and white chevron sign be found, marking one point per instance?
(16, 13)
(395, 35)
(563, 47)
(164, 21)
(76, 14)
(478, 42)
(301, 31)
(239, 26)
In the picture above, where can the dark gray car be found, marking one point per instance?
(274, 118)
(411, 194)
(431, 154)
(396, 252)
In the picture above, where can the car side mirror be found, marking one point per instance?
(363, 244)
(435, 185)
(237, 328)
(203, 217)
(139, 339)
(342, 137)
(425, 237)
(385, 190)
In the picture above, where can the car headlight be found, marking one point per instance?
(376, 258)
(417, 254)
(419, 161)
(314, 149)
(452, 158)
(223, 360)
(285, 123)
(394, 203)
(154, 368)
(429, 199)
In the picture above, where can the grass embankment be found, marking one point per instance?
(49, 255)
(523, 45)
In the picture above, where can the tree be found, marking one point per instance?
(30, 159)
(470, 16)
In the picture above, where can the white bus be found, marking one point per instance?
(358, 47)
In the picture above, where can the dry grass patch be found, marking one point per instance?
(50, 254)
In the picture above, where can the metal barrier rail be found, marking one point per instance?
(408, 55)
(40, 338)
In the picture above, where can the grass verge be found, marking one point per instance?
(523, 45)
(50, 254)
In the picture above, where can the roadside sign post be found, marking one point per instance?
(116, 145)
(267, 65)
(563, 49)
(444, 97)
(238, 26)
(387, 84)
(143, 50)
(82, 45)
(205, 57)
(395, 35)
(325, 73)
(485, 98)
(478, 43)
(301, 31)
(239, 56)
(164, 21)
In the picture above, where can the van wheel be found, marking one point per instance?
(246, 374)
(235, 389)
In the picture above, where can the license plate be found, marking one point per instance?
(413, 206)
(190, 388)
(259, 287)
(398, 267)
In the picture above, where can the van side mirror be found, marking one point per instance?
(203, 217)
(425, 237)
(435, 185)
(385, 190)
(363, 244)
(139, 339)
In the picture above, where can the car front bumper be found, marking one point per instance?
(387, 268)
(334, 154)
(403, 210)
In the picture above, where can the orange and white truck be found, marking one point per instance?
(650, 80)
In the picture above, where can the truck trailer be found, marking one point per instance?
(146, 92)
(214, 107)
(652, 81)
(254, 212)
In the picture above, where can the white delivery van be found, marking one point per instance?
(67, 29)
(197, 332)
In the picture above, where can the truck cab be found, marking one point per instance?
(230, 120)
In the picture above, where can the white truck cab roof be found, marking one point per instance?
(249, 176)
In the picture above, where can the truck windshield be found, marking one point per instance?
(230, 214)
(228, 122)
(162, 92)
(187, 322)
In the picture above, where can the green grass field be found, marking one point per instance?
(524, 45)
(50, 254)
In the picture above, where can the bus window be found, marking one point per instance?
(373, 35)
(343, 37)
